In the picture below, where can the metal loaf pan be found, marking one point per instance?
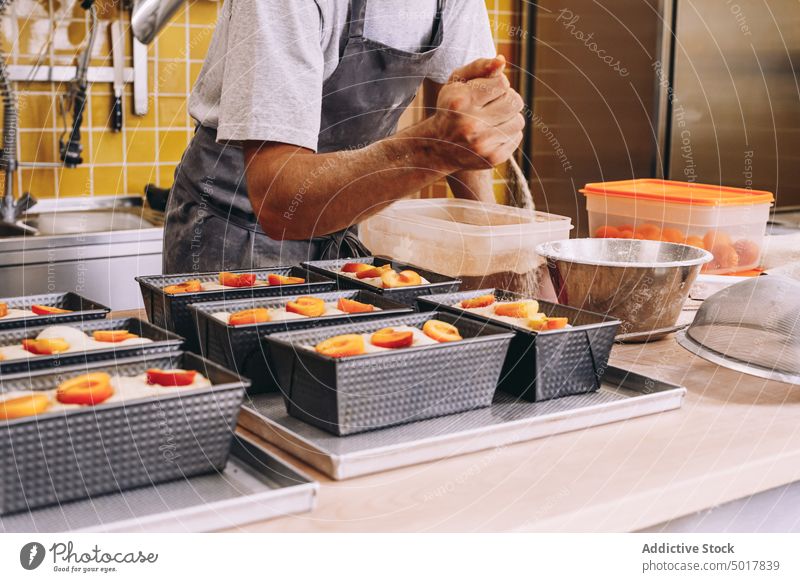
(163, 342)
(80, 308)
(172, 311)
(75, 454)
(239, 347)
(545, 365)
(438, 283)
(360, 393)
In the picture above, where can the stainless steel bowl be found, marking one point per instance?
(643, 283)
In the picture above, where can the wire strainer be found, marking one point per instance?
(751, 327)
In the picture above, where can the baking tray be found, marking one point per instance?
(172, 311)
(69, 455)
(163, 342)
(255, 486)
(623, 395)
(438, 283)
(239, 347)
(81, 308)
(373, 391)
(544, 365)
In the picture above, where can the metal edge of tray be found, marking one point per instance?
(653, 396)
(297, 494)
(698, 349)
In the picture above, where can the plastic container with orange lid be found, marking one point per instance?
(728, 222)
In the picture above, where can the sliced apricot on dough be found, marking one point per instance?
(48, 310)
(174, 377)
(191, 286)
(3, 309)
(392, 279)
(341, 346)
(308, 306)
(248, 316)
(479, 301)
(557, 322)
(87, 389)
(45, 346)
(113, 335)
(524, 309)
(353, 306)
(284, 280)
(22, 406)
(388, 337)
(441, 331)
(355, 267)
(373, 272)
(237, 279)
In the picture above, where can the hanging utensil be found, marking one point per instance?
(118, 57)
(70, 147)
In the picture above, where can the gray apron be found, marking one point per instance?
(210, 224)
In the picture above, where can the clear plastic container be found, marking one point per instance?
(728, 222)
(484, 245)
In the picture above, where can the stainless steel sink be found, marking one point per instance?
(94, 246)
(75, 222)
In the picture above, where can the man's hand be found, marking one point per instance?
(477, 120)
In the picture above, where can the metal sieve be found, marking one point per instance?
(752, 327)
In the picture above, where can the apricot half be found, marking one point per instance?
(524, 309)
(441, 331)
(373, 272)
(341, 346)
(647, 231)
(715, 237)
(606, 232)
(479, 301)
(557, 322)
(191, 286)
(353, 306)
(672, 235)
(113, 335)
(248, 316)
(355, 267)
(170, 377)
(87, 389)
(388, 337)
(748, 251)
(22, 406)
(391, 279)
(695, 241)
(284, 280)
(3, 309)
(45, 347)
(48, 310)
(237, 279)
(308, 306)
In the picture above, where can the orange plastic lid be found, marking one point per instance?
(678, 192)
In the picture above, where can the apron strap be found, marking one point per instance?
(358, 12)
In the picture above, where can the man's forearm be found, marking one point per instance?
(316, 194)
(472, 185)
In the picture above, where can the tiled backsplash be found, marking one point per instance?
(148, 148)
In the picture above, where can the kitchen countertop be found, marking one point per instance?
(735, 435)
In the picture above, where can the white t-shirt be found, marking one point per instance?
(263, 75)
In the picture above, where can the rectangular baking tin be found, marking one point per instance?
(255, 486)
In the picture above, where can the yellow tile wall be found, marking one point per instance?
(148, 148)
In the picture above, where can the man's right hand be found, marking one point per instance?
(477, 120)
